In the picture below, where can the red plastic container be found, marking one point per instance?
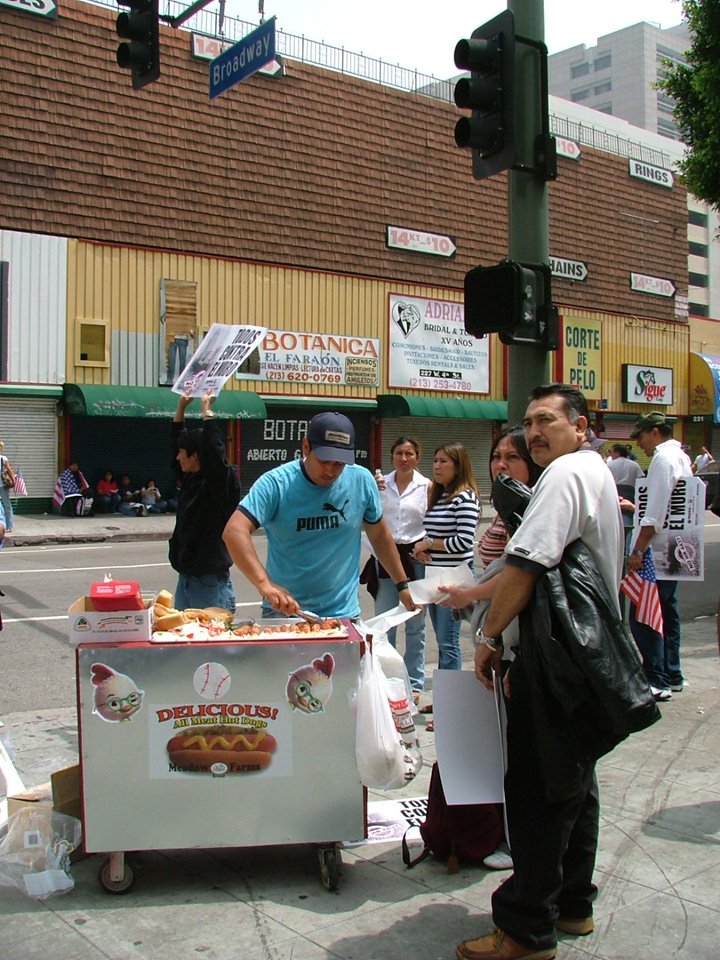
(116, 595)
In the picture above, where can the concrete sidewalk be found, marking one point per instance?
(658, 867)
(37, 529)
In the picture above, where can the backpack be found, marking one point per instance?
(461, 833)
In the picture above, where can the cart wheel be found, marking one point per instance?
(115, 886)
(329, 867)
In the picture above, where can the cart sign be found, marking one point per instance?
(652, 385)
(403, 239)
(243, 59)
(657, 285)
(44, 8)
(429, 348)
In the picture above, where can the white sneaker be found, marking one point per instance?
(500, 859)
(679, 687)
(661, 695)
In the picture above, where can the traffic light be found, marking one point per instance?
(489, 92)
(513, 300)
(141, 27)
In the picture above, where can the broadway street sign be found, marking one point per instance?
(242, 59)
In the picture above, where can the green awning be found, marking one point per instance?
(394, 405)
(93, 400)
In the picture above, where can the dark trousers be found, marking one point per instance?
(660, 652)
(553, 844)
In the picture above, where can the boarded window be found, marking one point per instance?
(178, 327)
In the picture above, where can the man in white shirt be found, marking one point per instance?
(670, 463)
(554, 841)
(623, 469)
(702, 459)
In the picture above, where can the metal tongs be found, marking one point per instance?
(309, 617)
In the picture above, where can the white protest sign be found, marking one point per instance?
(223, 349)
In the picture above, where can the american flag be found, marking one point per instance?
(641, 587)
(20, 488)
(68, 484)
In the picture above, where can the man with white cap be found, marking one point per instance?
(313, 512)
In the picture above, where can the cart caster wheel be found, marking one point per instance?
(329, 868)
(113, 886)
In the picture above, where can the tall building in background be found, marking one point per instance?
(617, 78)
(618, 75)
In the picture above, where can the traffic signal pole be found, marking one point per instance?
(528, 365)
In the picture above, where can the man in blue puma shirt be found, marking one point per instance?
(313, 512)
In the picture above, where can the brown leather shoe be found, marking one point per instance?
(577, 926)
(499, 946)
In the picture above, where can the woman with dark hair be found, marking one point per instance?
(404, 497)
(450, 522)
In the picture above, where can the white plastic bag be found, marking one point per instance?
(393, 665)
(35, 851)
(378, 747)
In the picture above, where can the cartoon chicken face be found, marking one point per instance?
(116, 697)
(309, 688)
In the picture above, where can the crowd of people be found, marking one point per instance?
(563, 535)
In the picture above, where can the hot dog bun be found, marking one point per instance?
(166, 619)
(164, 598)
(237, 749)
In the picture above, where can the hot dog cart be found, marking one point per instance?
(219, 743)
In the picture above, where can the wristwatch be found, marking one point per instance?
(492, 643)
(402, 585)
(636, 553)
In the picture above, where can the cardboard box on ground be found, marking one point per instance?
(61, 793)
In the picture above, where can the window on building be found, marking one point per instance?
(666, 128)
(250, 367)
(579, 70)
(697, 218)
(697, 279)
(579, 95)
(667, 54)
(698, 249)
(178, 327)
(699, 309)
(603, 87)
(92, 348)
(602, 63)
(604, 108)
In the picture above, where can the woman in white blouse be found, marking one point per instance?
(404, 496)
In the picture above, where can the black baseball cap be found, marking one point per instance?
(332, 437)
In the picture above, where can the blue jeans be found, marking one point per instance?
(386, 599)
(7, 506)
(447, 634)
(660, 652)
(208, 590)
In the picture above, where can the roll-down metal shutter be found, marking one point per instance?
(28, 428)
(476, 435)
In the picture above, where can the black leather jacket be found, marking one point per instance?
(589, 691)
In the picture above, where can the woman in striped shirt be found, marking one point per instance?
(450, 522)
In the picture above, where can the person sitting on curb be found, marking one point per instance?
(151, 498)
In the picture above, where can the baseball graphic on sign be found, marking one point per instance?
(211, 681)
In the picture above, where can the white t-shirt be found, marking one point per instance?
(575, 498)
(669, 464)
(625, 470)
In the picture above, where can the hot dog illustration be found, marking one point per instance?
(221, 749)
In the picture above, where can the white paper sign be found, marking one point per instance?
(217, 358)
(468, 738)
(678, 550)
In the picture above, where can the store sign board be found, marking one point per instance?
(567, 148)
(568, 269)
(401, 238)
(660, 286)
(428, 348)
(242, 59)
(651, 385)
(42, 8)
(582, 356)
(203, 47)
(651, 173)
(311, 359)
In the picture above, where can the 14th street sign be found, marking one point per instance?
(242, 59)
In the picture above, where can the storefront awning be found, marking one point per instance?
(393, 405)
(93, 400)
(705, 387)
